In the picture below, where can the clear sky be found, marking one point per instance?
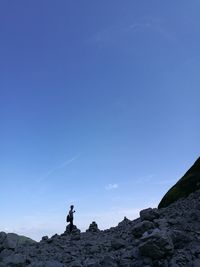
(99, 107)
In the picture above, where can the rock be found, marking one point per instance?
(125, 222)
(181, 258)
(37, 264)
(52, 263)
(125, 263)
(141, 227)
(55, 236)
(156, 245)
(95, 249)
(5, 253)
(196, 263)
(74, 229)
(2, 237)
(90, 263)
(75, 234)
(149, 214)
(16, 260)
(162, 223)
(117, 244)
(108, 261)
(75, 237)
(24, 241)
(75, 263)
(179, 238)
(93, 228)
(45, 238)
(10, 241)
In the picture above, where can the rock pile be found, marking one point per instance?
(168, 237)
(93, 228)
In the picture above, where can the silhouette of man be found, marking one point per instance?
(71, 217)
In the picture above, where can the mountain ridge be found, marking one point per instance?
(189, 183)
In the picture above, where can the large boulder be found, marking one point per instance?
(141, 227)
(11, 241)
(156, 245)
(23, 240)
(149, 214)
(188, 184)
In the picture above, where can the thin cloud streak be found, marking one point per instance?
(113, 34)
(61, 166)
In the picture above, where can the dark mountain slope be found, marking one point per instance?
(189, 183)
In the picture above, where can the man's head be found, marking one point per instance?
(71, 207)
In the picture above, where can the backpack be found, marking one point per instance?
(68, 218)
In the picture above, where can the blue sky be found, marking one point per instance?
(99, 107)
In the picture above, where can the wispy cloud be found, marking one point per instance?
(115, 33)
(137, 26)
(61, 166)
(111, 187)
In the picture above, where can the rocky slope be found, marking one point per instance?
(167, 237)
(189, 183)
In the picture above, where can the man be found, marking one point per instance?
(71, 217)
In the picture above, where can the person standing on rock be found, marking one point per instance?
(70, 217)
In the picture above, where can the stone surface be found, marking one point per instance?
(117, 243)
(141, 227)
(2, 237)
(93, 228)
(149, 214)
(10, 241)
(15, 260)
(156, 245)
